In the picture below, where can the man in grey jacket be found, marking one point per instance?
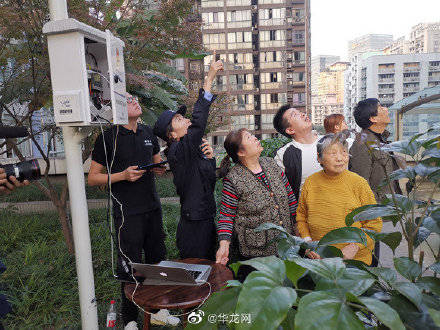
(373, 165)
(370, 163)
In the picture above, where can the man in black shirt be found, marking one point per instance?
(136, 205)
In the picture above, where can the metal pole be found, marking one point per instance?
(78, 207)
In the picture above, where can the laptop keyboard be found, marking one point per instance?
(194, 273)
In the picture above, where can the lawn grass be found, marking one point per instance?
(40, 279)
(164, 186)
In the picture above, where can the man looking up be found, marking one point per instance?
(373, 164)
(137, 211)
(298, 158)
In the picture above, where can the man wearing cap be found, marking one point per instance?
(192, 162)
(136, 205)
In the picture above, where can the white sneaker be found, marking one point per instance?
(163, 317)
(131, 326)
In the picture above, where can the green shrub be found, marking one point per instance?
(40, 279)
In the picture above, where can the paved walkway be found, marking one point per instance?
(44, 206)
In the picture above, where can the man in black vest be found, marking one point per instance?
(298, 158)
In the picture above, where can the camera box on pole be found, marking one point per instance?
(88, 75)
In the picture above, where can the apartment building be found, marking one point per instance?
(329, 97)
(265, 46)
(391, 78)
(425, 38)
(359, 49)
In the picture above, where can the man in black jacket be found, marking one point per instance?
(298, 158)
(193, 165)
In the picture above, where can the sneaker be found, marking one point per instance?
(163, 317)
(131, 326)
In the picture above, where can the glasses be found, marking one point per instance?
(132, 99)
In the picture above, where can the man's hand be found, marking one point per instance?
(349, 251)
(312, 254)
(7, 186)
(132, 174)
(215, 67)
(222, 256)
(159, 170)
(207, 149)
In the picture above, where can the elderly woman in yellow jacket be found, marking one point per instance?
(329, 195)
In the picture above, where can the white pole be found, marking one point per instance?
(80, 228)
(78, 207)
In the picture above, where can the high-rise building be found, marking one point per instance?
(425, 38)
(318, 64)
(329, 97)
(359, 49)
(391, 78)
(265, 46)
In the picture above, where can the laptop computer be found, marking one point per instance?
(172, 273)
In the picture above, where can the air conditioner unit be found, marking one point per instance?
(254, 7)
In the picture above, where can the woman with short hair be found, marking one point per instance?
(329, 195)
(255, 191)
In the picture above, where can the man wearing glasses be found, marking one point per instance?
(136, 205)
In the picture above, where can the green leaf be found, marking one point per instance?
(222, 302)
(435, 315)
(286, 250)
(266, 300)
(391, 239)
(432, 153)
(354, 280)
(386, 274)
(289, 321)
(383, 312)
(432, 225)
(270, 266)
(329, 251)
(435, 267)
(344, 235)
(349, 218)
(429, 283)
(331, 268)
(294, 272)
(325, 310)
(376, 211)
(233, 283)
(407, 268)
(410, 315)
(269, 225)
(410, 291)
(403, 147)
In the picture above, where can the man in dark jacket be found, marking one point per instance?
(193, 165)
(298, 159)
(373, 165)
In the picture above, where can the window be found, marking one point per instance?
(272, 35)
(273, 77)
(274, 56)
(270, 14)
(235, 58)
(273, 98)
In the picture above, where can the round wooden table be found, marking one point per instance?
(151, 297)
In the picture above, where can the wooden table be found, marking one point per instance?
(151, 297)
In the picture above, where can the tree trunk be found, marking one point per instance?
(65, 227)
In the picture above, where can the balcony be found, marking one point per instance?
(434, 68)
(411, 89)
(386, 71)
(385, 90)
(240, 87)
(434, 78)
(411, 79)
(270, 65)
(388, 99)
(298, 41)
(386, 80)
(415, 69)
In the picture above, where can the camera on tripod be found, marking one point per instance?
(25, 170)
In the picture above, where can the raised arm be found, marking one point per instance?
(201, 108)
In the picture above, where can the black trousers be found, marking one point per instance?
(196, 239)
(139, 233)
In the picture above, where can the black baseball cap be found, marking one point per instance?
(160, 127)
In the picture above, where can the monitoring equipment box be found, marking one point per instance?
(88, 75)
